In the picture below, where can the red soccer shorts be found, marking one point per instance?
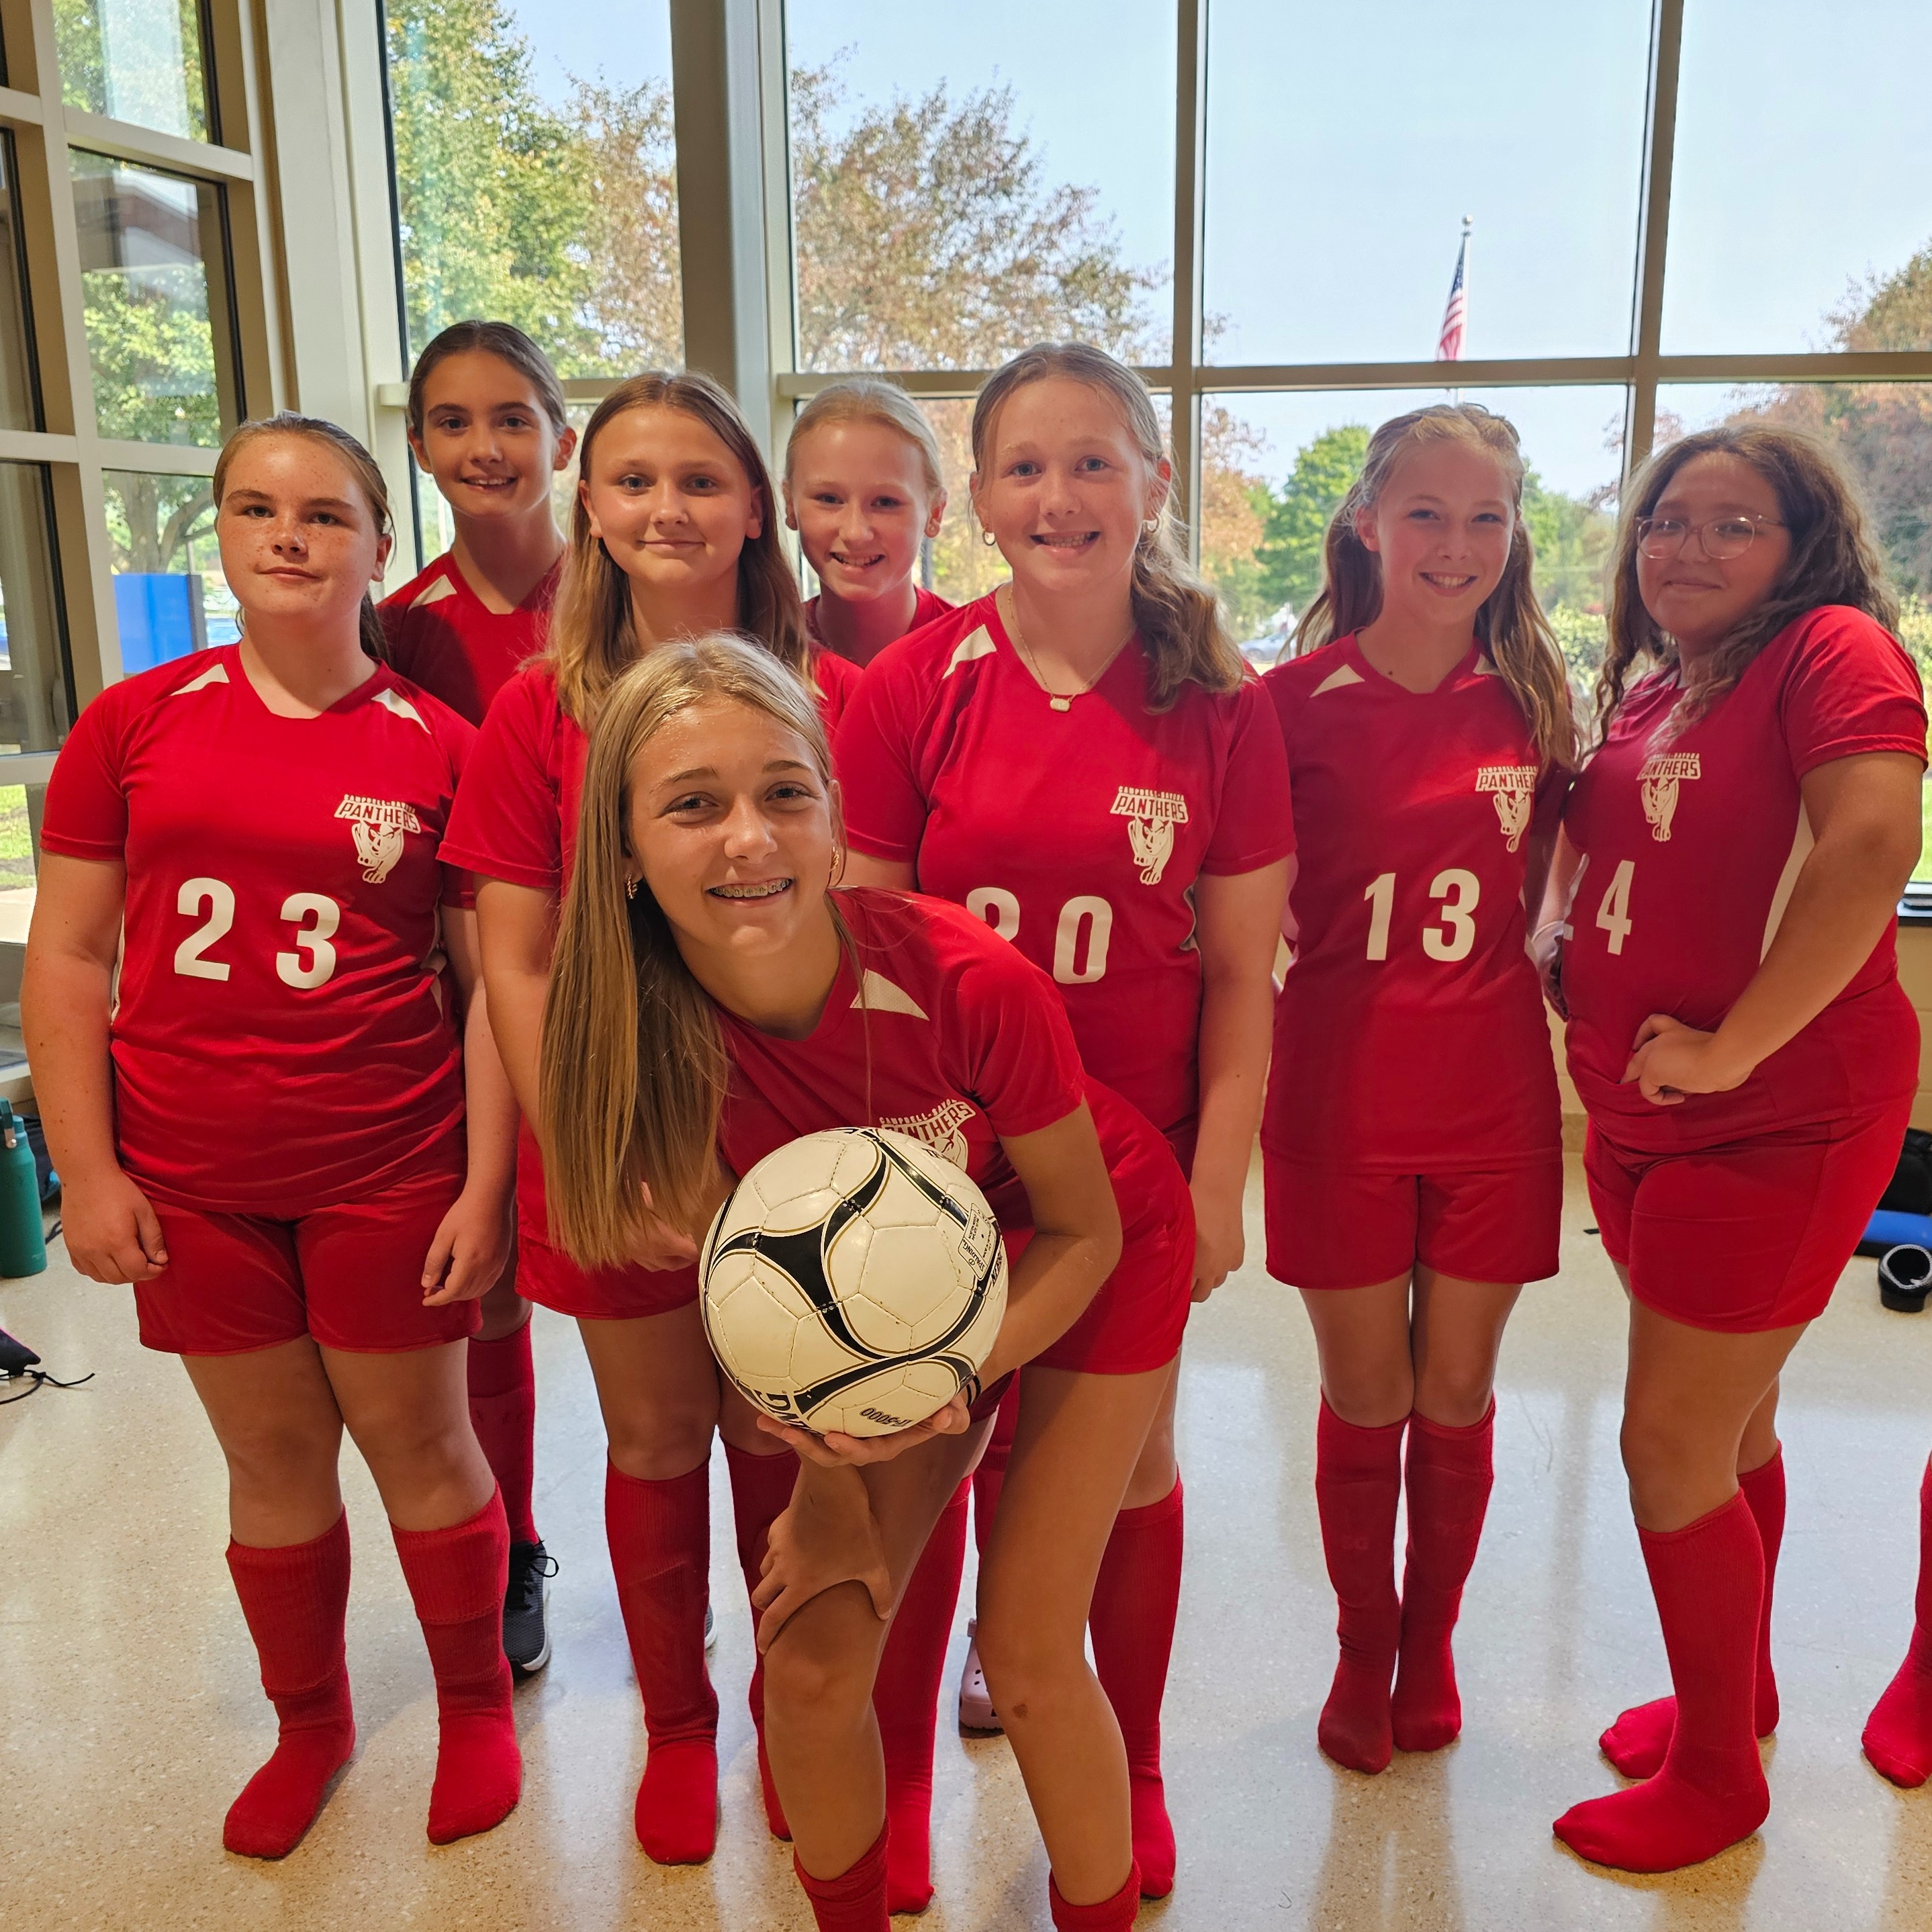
(350, 1275)
(1750, 1235)
(1135, 1321)
(547, 1275)
(1347, 1227)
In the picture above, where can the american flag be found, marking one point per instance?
(1449, 344)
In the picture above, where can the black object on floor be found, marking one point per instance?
(1910, 1191)
(15, 1358)
(1905, 1278)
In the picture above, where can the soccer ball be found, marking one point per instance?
(854, 1280)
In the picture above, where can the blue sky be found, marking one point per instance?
(1346, 142)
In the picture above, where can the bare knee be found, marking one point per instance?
(1455, 1393)
(1370, 1393)
(277, 1452)
(504, 1311)
(657, 1441)
(815, 1684)
(1156, 1472)
(1026, 1664)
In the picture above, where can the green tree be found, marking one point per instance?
(1296, 524)
(494, 201)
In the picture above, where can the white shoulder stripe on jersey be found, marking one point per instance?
(878, 995)
(396, 702)
(1338, 679)
(1801, 842)
(216, 674)
(979, 645)
(435, 593)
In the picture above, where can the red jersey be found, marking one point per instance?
(1078, 834)
(1409, 1037)
(928, 607)
(945, 1034)
(443, 638)
(280, 1035)
(1690, 849)
(836, 681)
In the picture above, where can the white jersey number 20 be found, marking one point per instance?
(1455, 939)
(314, 917)
(1080, 939)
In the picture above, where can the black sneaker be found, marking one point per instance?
(526, 1631)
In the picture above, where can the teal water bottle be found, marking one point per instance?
(23, 1249)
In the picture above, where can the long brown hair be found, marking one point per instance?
(1831, 561)
(1510, 626)
(633, 1066)
(592, 637)
(508, 344)
(1176, 615)
(362, 467)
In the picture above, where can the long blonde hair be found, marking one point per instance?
(1831, 561)
(633, 1064)
(1510, 626)
(870, 399)
(362, 467)
(592, 636)
(1176, 615)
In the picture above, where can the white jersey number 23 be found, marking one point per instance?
(314, 917)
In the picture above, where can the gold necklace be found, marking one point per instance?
(1057, 700)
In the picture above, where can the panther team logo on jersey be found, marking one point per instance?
(1514, 789)
(1151, 817)
(1659, 777)
(378, 824)
(940, 1129)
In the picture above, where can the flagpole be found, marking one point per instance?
(1462, 276)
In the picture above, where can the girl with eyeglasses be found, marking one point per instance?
(486, 421)
(1412, 1145)
(1721, 936)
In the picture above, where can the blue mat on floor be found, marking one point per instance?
(1888, 1229)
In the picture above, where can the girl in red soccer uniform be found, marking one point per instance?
(862, 488)
(734, 975)
(1081, 761)
(673, 535)
(486, 421)
(1412, 1147)
(1734, 849)
(257, 831)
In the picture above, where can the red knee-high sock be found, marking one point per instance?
(1708, 1581)
(1357, 1485)
(854, 1901)
(1111, 1915)
(761, 1487)
(1637, 1742)
(1448, 1478)
(660, 1536)
(1898, 1735)
(457, 1577)
(992, 1472)
(503, 1412)
(905, 1698)
(294, 1598)
(1136, 1596)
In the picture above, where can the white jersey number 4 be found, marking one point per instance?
(314, 917)
(1455, 939)
(1080, 938)
(1613, 915)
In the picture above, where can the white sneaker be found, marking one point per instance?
(976, 1704)
(710, 1631)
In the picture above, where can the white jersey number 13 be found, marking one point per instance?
(1454, 939)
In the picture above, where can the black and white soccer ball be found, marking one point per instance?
(854, 1280)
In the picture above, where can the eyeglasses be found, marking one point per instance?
(1722, 538)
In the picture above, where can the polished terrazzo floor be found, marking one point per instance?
(129, 1716)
